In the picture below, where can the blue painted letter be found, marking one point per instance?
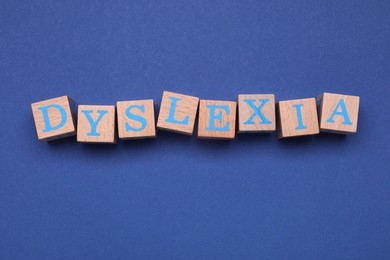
(343, 113)
(93, 124)
(171, 118)
(299, 117)
(218, 117)
(257, 111)
(135, 118)
(45, 114)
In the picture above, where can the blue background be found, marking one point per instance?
(177, 197)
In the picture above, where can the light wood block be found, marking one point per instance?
(53, 118)
(217, 119)
(338, 113)
(136, 119)
(297, 117)
(177, 113)
(256, 113)
(96, 124)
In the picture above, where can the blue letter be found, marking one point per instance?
(251, 103)
(343, 113)
(171, 118)
(213, 117)
(48, 127)
(136, 118)
(299, 117)
(93, 124)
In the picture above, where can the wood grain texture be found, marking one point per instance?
(186, 106)
(55, 118)
(147, 113)
(105, 128)
(204, 121)
(327, 103)
(245, 112)
(288, 118)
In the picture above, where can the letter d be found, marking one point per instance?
(45, 113)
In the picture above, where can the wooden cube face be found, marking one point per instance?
(96, 124)
(297, 117)
(178, 113)
(136, 119)
(256, 113)
(53, 118)
(217, 119)
(338, 113)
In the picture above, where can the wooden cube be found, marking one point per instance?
(177, 113)
(217, 119)
(256, 113)
(96, 124)
(53, 118)
(136, 119)
(297, 117)
(338, 113)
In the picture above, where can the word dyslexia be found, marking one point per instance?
(54, 118)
